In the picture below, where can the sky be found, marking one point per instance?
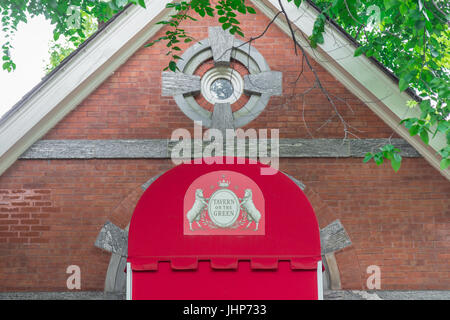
(30, 54)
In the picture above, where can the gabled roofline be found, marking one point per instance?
(388, 72)
(16, 106)
(66, 60)
(365, 77)
(91, 64)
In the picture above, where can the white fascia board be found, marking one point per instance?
(129, 291)
(359, 75)
(70, 85)
(319, 281)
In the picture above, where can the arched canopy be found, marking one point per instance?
(158, 226)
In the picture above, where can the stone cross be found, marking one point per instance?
(222, 44)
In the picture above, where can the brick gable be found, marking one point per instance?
(128, 105)
(398, 221)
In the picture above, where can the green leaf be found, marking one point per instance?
(389, 3)
(445, 163)
(396, 161)
(359, 51)
(443, 126)
(173, 66)
(367, 157)
(319, 38)
(414, 130)
(419, 25)
(378, 157)
(395, 165)
(388, 148)
(403, 84)
(226, 26)
(424, 136)
(142, 3)
(425, 105)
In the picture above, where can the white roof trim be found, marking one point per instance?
(91, 66)
(79, 77)
(358, 74)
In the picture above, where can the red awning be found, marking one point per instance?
(161, 243)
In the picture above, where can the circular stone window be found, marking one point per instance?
(222, 85)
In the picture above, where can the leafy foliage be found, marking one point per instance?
(68, 17)
(59, 50)
(409, 37)
(388, 152)
(227, 17)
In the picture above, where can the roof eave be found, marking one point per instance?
(364, 77)
(62, 90)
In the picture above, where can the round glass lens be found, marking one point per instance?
(222, 89)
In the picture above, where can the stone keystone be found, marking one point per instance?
(113, 239)
(334, 238)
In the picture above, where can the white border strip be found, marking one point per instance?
(129, 282)
(319, 281)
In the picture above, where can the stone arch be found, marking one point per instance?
(348, 273)
(342, 265)
(115, 280)
(121, 215)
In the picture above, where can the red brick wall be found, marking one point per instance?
(51, 210)
(398, 221)
(79, 197)
(404, 229)
(23, 214)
